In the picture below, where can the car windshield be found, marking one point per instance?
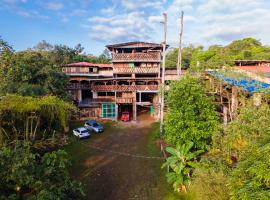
(95, 124)
(84, 131)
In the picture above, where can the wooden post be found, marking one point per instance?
(134, 107)
(163, 75)
(257, 99)
(116, 106)
(79, 95)
(234, 104)
(221, 91)
(225, 115)
(179, 59)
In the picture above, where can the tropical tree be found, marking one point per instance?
(187, 53)
(181, 163)
(27, 175)
(191, 115)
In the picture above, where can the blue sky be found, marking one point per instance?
(95, 23)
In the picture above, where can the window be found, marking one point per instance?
(108, 110)
(131, 64)
(101, 94)
(73, 69)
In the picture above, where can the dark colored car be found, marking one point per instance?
(92, 125)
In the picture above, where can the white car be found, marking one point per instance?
(81, 132)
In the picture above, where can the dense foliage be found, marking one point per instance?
(238, 162)
(37, 71)
(217, 56)
(29, 118)
(26, 175)
(191, 115)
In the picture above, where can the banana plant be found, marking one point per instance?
(180, 164)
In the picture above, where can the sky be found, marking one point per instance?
(96, 23)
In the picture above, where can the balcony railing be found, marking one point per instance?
(112, 88)
(136, 57)
(124, 88)
(136, 70)
(78, 86)
(124, 100)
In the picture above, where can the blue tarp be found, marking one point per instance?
(247, 84)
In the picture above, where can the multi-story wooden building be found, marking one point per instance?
(131, 83)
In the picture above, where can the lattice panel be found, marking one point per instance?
(149, 56)
(124, 88)
(136, 70)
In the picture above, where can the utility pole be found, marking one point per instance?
(163, 74)
(179, 60)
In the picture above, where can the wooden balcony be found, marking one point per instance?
(124, 100)
(78, 86)
(136, 57)
(136, 70)
(124, 88)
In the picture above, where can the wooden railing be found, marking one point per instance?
(122, 100)
(78, 86)
(149, 56)
(111, 88)
(125, 88)
(136, 70)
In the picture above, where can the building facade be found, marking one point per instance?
(129, 84)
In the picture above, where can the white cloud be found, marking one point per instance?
(54, 5)
(124, 27)
(108, 11)
(134, 5)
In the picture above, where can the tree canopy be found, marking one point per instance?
(26, 175)
(191, 115)
(217, 56)
(38, 71)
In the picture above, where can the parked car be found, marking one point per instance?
(92, 125)
(125, 116)
(81, 132)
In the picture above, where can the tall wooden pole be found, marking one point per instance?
(163, 74)
(179, 60)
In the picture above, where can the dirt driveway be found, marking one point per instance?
(111, 166)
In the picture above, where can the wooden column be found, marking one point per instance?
(234, 104)
(225, 115)
(257, 99)
(220, 92)
(134, 106)
(79, 95)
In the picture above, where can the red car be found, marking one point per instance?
(125, 116)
